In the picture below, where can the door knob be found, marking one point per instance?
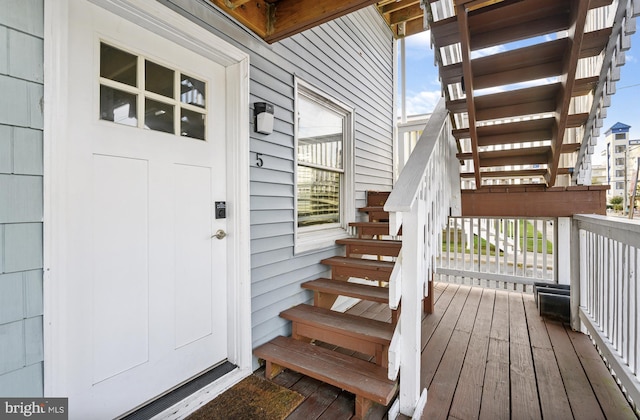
(219, 234)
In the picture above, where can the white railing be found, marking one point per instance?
(408, 134)
(498, 252)
(426, 193)
(605, 292)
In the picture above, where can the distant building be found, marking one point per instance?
(599, 175)
(617, 138)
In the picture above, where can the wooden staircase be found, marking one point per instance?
(320, 335)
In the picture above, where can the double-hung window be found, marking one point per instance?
(324, 173)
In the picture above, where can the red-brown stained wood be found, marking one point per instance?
(342, 268)
(607, 391)
(522, 374)
(343, 288)
(368, 336)
(559, 373)
(533, 204)
(553, 397)
(354, 375)
(468, 393)
(377, 198)
(434, 350)
(446, 378)
(495, 394)
(371, 246)
(371, 228)
(581, 397)
(375, 213)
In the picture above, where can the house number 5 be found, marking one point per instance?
(259, 161)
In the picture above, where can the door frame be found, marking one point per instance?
(161, 20)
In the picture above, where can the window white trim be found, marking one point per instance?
(318, 237)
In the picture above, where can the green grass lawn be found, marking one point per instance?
(531, 241)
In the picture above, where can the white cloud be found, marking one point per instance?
(420, 40)
(422, 102)
(630, 58)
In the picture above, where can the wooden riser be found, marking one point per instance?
(371, 228)
(376, 213)
(343, 288)
(377, 198)
(367, 336)
(343, 268)
(387, 248)
(368, 382)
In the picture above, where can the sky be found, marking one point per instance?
(423, 87)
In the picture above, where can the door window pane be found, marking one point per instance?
(158, 116)
(318, 196)
(192, 124)
(183, 110)
(118, 65)
(158, 79)
(192, 91)
(118, 106)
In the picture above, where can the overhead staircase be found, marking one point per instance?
(320, 335)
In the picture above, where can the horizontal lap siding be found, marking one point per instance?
(21, 201)
(350, 59)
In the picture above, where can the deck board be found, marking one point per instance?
(554, 402)
(522, 374)
(487, 354)
(468, 394)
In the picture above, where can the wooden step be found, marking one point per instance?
(376, 213)
(371, 246)
(342, 268)
(368, 382)
(377, 198)
(371, 228)
(326, 287)
(364, 335)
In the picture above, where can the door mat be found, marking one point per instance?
(252, 398)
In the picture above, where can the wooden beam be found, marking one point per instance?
(397, 5)
(254, 15)
(576, 34)
(406, 13)
(294, 16)
(465, 48)
(414, 26)
(519, 201)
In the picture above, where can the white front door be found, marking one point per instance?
(145, 288)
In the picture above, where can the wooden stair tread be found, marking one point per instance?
(367, 224)
(372, 242)
(344, 288)
(371, 208)
(371, 330)
(359, 262)
(351, 374)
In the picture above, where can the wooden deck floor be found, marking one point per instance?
(487, 354)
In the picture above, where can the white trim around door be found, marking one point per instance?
(159, 19)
